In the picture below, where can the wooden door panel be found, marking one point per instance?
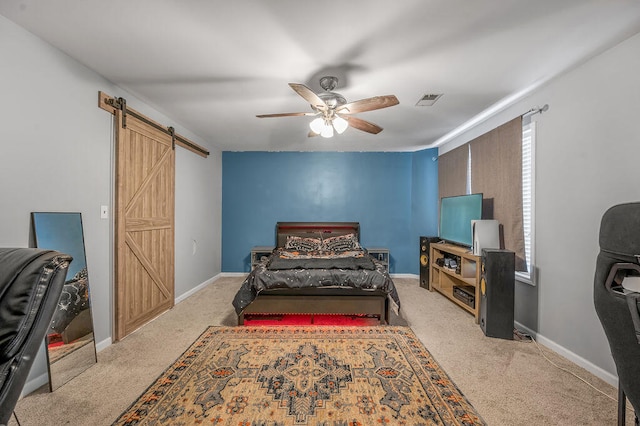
(143, 160)
(149, 297)
(145, 175)
(144, 211)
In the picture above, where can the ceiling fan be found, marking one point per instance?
(333, 111)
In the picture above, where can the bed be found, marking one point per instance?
(317, 268)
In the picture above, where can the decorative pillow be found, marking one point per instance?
(302, 243)
(341, 243)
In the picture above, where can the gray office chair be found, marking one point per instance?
(31, 281)
(617, 307)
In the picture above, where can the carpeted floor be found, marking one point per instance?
(509, 382)
(303, 375)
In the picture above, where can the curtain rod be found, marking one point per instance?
(536, 110)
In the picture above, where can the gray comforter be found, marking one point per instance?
(295, 269)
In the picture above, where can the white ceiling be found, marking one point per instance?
(212, 65)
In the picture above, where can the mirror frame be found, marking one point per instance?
(70, 341)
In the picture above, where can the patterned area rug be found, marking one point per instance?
(307, 375)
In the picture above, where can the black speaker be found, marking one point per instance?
(425, 252)
(497, 282)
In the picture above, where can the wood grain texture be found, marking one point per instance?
(145, 204)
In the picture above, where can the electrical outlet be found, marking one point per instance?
(104, 212)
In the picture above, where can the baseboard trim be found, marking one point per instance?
(196, 289)
(612, 379)
(233, 274)
(405, 276)
(102, 345)
(526, 329)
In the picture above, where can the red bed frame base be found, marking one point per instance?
(311, 319)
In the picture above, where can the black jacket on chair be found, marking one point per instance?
(31, 281)
(619, 257)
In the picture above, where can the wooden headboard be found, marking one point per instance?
(314, 229)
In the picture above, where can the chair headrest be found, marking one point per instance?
(620, 231)
(24, 281)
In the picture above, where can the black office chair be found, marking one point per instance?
(31, 281)
(617, 307)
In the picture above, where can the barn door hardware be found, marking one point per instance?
(172, 133)
(111, 104)
(121, 104)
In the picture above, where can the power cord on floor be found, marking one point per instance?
(529, 337)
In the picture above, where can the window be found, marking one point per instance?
(528, 145)
(491, 164)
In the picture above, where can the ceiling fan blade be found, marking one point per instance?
(369, 104)
(365, 126)
(312, 134)
(286, 114)
(309, 95)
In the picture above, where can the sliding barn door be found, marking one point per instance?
(144, 224)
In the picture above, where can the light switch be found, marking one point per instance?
(104, 212)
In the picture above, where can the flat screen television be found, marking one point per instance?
(456, 214)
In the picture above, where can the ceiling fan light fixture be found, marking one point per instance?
(327, 105)
(317, 125)
(340, 124)
(327, 130)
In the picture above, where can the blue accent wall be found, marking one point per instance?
(424, 198)
(391, 194)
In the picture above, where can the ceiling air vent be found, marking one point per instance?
(429, 99)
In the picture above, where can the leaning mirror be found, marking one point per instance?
(70, 341)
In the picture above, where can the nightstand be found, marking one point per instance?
(380, 253)
(258, 253)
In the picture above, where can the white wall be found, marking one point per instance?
(587, 159)
(56, 154)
